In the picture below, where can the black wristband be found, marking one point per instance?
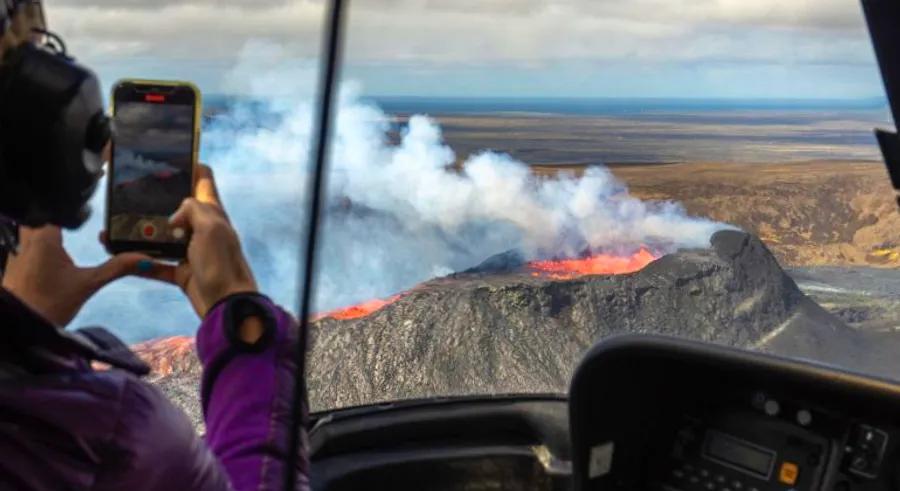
(233, 295)
(240, 307)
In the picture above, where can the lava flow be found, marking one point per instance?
(559, 269)
(167, 356)
(359, 310)
(564, 269)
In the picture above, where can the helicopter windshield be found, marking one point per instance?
(510, 181)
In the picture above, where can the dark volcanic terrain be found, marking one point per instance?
(480, 333)
(151, 194)
(512, 332)
(865, 298)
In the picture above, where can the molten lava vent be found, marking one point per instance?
(512, 263)
(564, 269)
(359, 310)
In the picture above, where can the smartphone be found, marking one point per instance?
(153, 165)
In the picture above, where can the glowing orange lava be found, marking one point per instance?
(359, 310)
(564, 269)
(561, 269)
(168, 356)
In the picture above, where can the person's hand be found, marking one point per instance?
(43, 276)
(215, 266)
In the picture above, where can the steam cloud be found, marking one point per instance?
(131, 166)
(397, 214)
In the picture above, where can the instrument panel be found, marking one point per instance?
(762, 442)
(696, 417)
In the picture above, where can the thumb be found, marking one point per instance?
(186, 215)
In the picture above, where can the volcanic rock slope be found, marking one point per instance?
(498, 329)
(503, 330)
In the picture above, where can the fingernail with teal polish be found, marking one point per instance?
(145, 265)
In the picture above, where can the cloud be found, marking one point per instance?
(155, 128)
(201, 39)
(195, 31)
(387, 30)
(131, 166)
(143, 5)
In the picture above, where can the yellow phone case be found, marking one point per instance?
(198, 113)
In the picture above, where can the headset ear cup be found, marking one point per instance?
(54, 130)
(98, 132)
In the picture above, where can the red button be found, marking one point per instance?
(149, 231)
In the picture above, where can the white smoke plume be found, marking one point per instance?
(397, 214)
(131, 166)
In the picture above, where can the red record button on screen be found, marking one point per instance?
(149, 230)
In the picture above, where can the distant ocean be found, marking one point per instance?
(596, 106)
(562, 131)
(615, 106)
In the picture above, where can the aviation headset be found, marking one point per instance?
(53, 129)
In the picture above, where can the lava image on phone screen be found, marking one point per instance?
(152, 170)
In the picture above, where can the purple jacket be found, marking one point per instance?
(65, 426)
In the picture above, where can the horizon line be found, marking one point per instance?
(867, 99)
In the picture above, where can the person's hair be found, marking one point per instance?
(22, 24)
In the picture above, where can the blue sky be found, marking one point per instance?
(513, 48)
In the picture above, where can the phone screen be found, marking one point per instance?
(152, 168)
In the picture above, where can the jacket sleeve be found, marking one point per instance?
(246, 393)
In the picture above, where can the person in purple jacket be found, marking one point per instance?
(66, 425)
